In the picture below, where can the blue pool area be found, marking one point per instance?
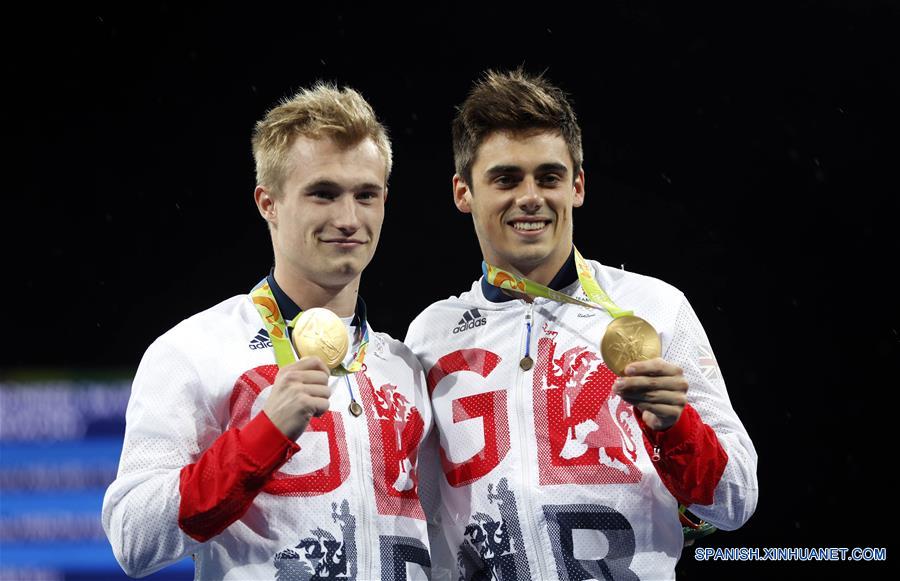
(59, 449)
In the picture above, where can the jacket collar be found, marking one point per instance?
(289, 308)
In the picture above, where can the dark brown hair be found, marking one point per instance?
(517, 102)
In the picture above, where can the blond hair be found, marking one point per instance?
(517, 102)
(322, 111)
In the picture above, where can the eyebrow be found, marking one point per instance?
(498, 169)
(333, 185)
(543, 168)
(555, 166)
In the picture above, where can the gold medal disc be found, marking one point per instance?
(355, 408)
(629, 339)
(320, 333)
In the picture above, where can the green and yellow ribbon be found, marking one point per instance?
(512, 282)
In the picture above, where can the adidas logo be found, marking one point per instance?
(470, 319)
(261, 341)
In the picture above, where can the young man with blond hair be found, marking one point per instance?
(260, 465)
(553, 465)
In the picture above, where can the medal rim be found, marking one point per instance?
(355, 408)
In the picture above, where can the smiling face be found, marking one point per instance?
(326, 218)
(521, 199)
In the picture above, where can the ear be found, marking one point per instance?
(266, 204)
(579, 189)
(462, 195)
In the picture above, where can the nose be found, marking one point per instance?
(346, 215)
(530, 198)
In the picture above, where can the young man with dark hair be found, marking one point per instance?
(577, 404)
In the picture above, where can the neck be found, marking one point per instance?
(542, 272)
(308, 294)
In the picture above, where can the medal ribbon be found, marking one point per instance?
(268, 310)
(601, 301)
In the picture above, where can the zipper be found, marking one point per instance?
(528, 320)
(523, 446)
(362, 540)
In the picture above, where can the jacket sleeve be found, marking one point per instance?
(181, 478)
(706, 459)
(688, 457)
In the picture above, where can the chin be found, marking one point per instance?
(530, 255)
(344, 270)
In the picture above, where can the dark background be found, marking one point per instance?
(746, 155)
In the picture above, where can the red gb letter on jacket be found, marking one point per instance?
(582, 437)
(395, 429)
(328, 478)
(491, 406)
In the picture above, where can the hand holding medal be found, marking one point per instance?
(317, 332)
(631, 347)
(657, 389)
(652, 385)
(320, 333)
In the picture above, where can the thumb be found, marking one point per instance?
(312, 362)
(651, 420)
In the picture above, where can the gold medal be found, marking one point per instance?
(320, 333)
(526, 363)
(629, 339)
(355, 408)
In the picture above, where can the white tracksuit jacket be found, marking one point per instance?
(204, 473)
(544, 473)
